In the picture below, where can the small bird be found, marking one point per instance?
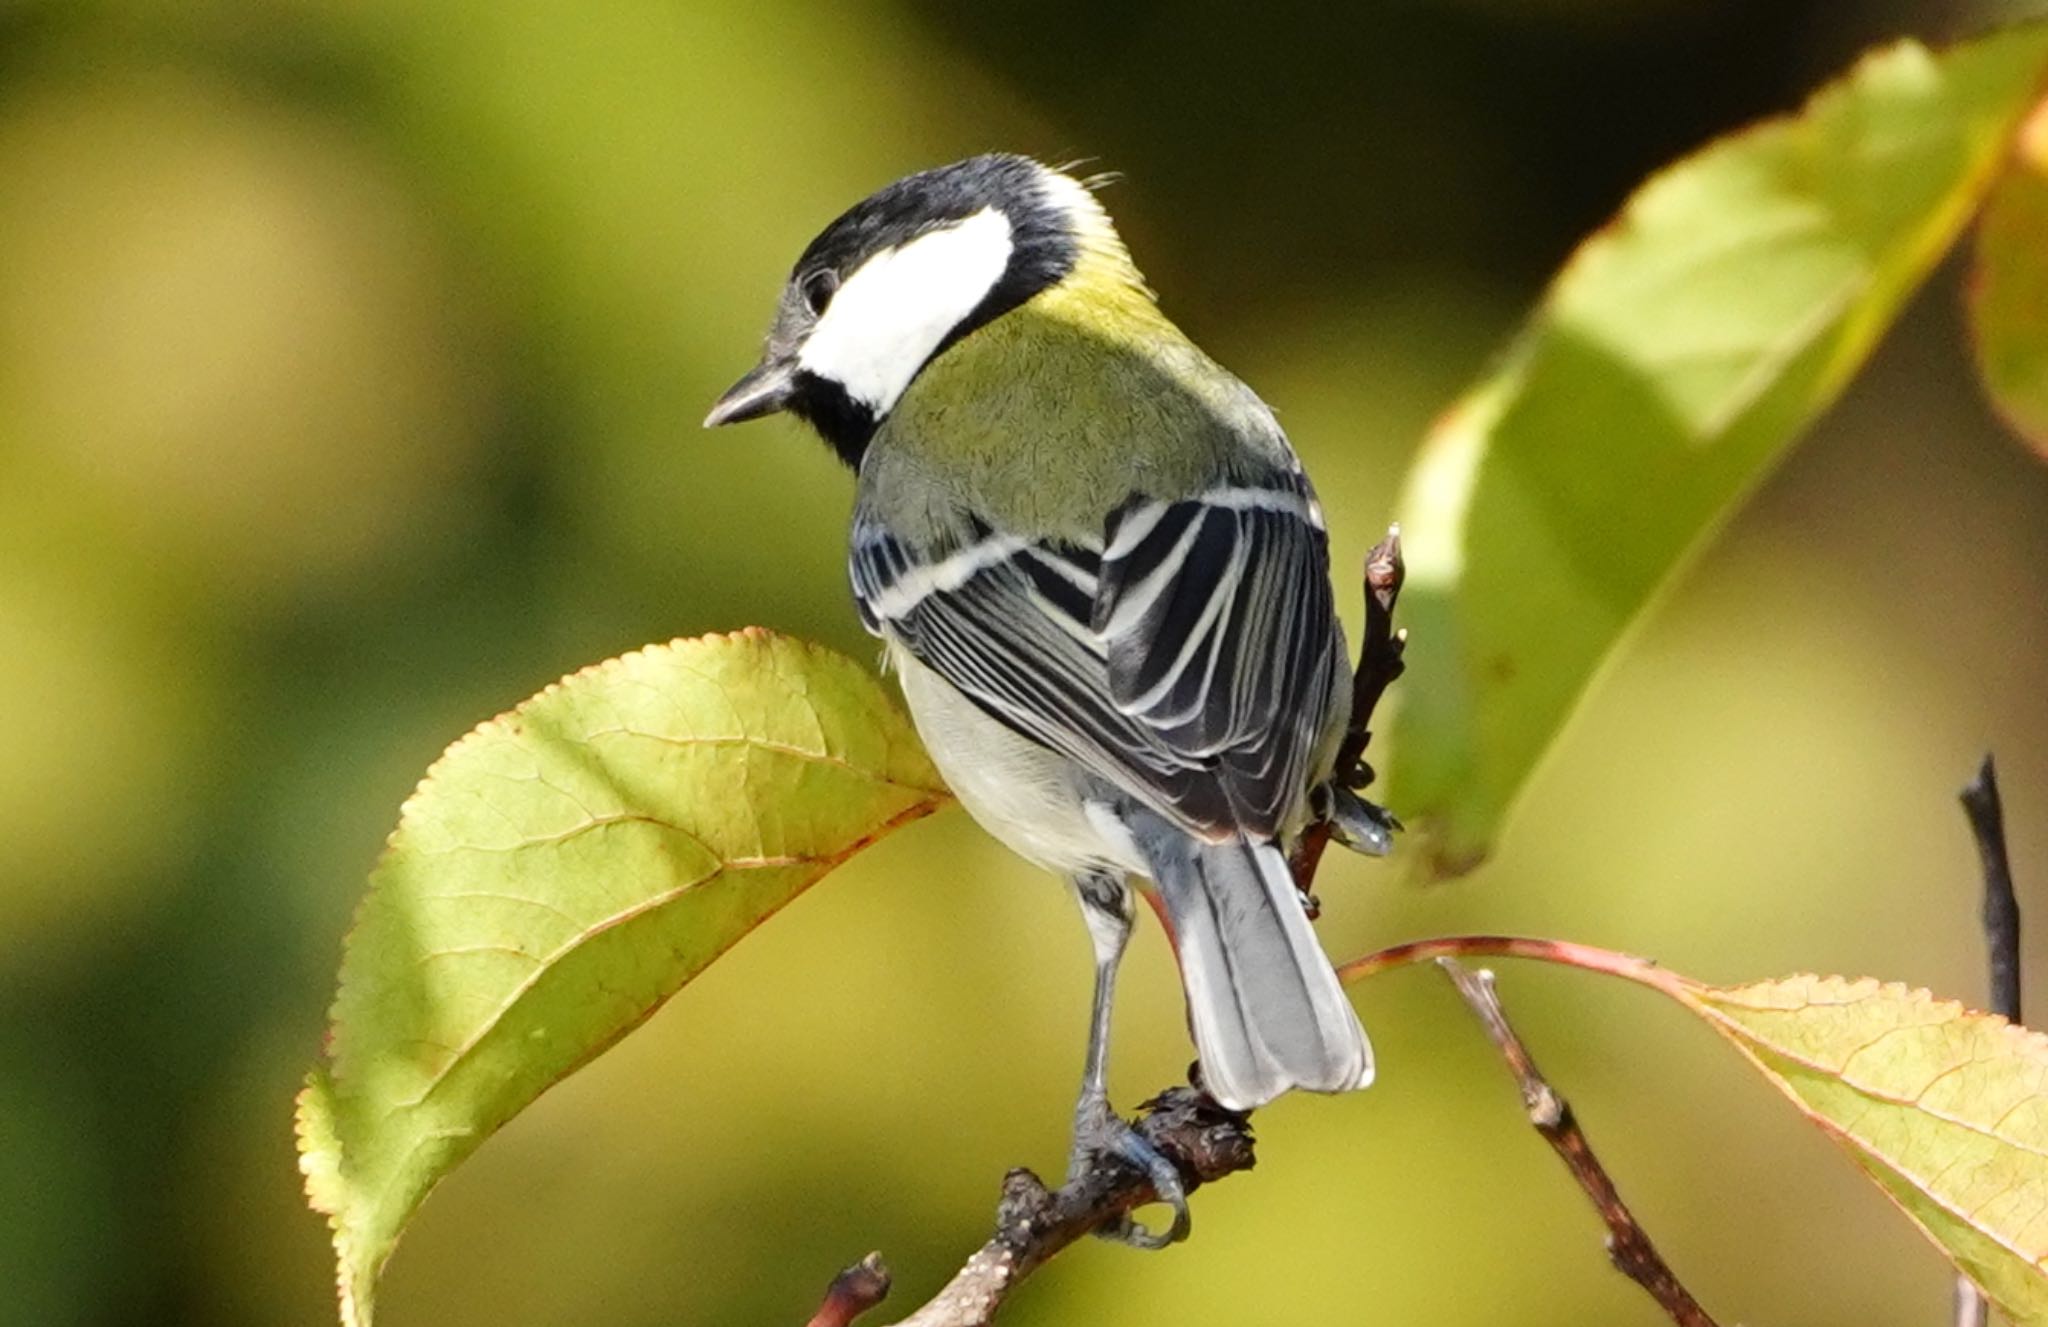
(1103, 580)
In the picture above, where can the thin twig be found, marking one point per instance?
(1379, 654)
(1986, 811)
(1627, 1243)
(852, 1293)
(1972, 1309)
(2001, 914)
(1379, 664)
(1205, 1141)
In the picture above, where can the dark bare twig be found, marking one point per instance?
(1379, 663)
(1986, 812)
(1379, 654)
(1033, 1223)
(1627, 1243)
(1982, 805)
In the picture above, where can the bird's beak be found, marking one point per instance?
(766, 389)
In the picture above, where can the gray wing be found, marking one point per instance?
(1186, 661)
(1216, 616)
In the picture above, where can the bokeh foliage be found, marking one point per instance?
(349, 363)
(2009, 288)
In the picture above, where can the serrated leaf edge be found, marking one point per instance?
(317, 1105)
(1702, 998)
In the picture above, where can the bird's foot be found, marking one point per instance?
(1360, 825)
(1100, 1134)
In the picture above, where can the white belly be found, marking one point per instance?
(1014, 788)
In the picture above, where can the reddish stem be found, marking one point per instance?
(1590, 958)
(853, 1292)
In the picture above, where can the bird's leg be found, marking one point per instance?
(1106, 905)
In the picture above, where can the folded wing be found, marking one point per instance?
(1186, 659)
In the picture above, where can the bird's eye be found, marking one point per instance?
(818, 289)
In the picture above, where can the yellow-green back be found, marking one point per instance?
(1042, 421)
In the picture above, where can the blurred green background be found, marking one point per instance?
(351, 357)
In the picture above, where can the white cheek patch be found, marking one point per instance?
(889, 316)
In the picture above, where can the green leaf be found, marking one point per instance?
(560, 872)
(1946, 1109)
(2009, 287)
(1672, 362)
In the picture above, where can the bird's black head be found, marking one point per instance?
(901, 276)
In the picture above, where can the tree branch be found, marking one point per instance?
(1627, 1242)
(1205, 1141)
(1986, 813)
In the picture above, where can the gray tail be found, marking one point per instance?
(1267, 1010)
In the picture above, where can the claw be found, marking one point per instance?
(1100, 1133)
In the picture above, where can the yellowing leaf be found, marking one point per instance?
(1944, 1107)
(1671, 364)
(2009, 287)
(560, 872)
